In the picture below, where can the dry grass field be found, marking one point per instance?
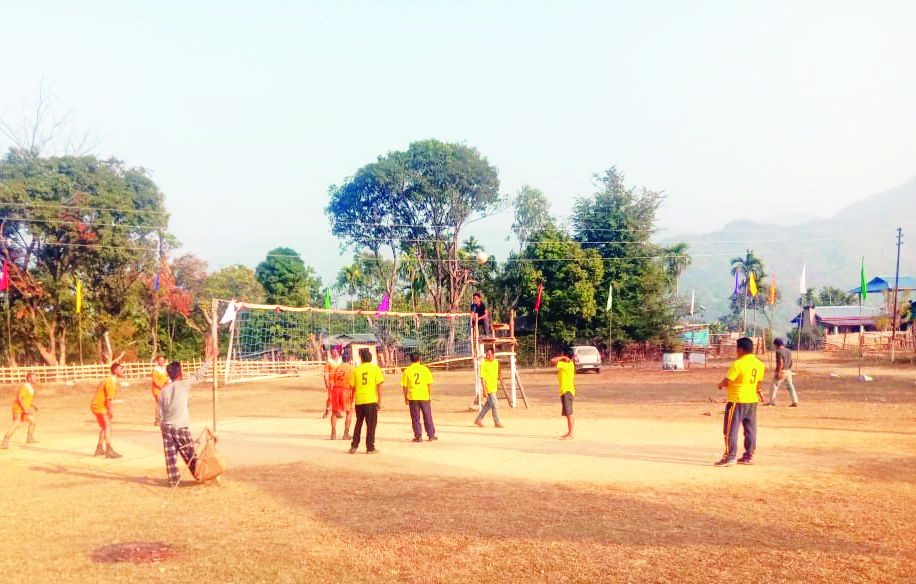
(634, 498)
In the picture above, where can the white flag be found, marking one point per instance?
(802, 285)
(693, 298)
(230, 313)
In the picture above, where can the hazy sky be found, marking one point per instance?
(246, 112)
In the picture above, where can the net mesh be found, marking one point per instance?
(266, 334)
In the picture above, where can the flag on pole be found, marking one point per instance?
(327, 298)
(610, 297)
(752, 285)
(737, 287)
(863, 284)
(5, 277)
(79, 296)
(693, 299)
(537, 301)
(802, 285)
(771, 299)
(384, 305)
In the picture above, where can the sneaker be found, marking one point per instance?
(373, 451)
(417, 439)
(498, 425)
(110, 453)
(478, 423)
(765, 404)
(795, 405)
(726, 461)
(746, 460)
(352, 450)
(432, 438)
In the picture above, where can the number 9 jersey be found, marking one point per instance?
(743, 377)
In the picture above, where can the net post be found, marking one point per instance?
(214, 338)
(475, 354)
(513, 365)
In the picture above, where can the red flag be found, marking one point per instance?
(5, 277)
(537, 302)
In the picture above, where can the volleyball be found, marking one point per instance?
(482, 257)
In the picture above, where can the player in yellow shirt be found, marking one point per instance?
(23, 411)
(366, 381)
(566, 376)
(742, 386)
(101, 408)
(416, 381)
(489, 376)
(159, 378)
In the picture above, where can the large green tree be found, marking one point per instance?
(287, 280)
(531, 213)
(65, 219)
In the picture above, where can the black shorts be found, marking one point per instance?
(566, 402)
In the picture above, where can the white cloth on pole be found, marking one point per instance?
(802, 285)
(230, 313)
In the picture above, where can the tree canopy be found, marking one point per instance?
(287, 280)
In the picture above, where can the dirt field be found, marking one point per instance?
(634, 498)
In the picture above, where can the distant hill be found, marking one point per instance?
(831, 248)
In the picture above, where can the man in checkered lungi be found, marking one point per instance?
(173, 409)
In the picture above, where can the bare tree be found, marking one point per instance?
(39, 127)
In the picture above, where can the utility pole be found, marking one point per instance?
(747, 258)
(896, 286)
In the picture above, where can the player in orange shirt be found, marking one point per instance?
(159, 378)
(21, 411)
(101, 407)
(337, 382)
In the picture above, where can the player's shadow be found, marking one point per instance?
(440, 506)
(95, 475)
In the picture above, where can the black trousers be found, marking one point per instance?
(736, 416)
(369, 413)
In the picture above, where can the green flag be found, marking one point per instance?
(863, 286)
(327, 299)
(610, 298)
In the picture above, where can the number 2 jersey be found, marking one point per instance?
(743, 376)
(416, 379)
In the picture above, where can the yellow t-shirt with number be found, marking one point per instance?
(365, 380)
(743, 376)
(25, 398)
(489, 372)
(566, 375)
(416, 378)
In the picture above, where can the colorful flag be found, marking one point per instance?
(79, 296)
(5, 277)
(737, 287)
(772, 297)
(752, 285)
(863, 285)
(802, 285)
(384, 305)
(327, 299)
(537, 301)
(693, 299)
(610, 298)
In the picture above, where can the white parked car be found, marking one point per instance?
(587, 358)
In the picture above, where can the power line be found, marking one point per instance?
(82, 207)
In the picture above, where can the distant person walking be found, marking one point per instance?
(23, 411)
(416, 381)
(366, 381)
(742, 385)
(489, 376)
(783, 374)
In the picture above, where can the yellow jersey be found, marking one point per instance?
(566, 375)
(416, 379)
(104, 393)
(365, 380)
(489, 372)
(743, 377)
(24, 397)
(160, 377)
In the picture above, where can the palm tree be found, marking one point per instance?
(676, 261)
(471, 246)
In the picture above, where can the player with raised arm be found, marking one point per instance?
(742, 385)
(566, 376)
(23, 411)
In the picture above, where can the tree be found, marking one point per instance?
(743, 267)
(471, 246)
(532, 214)
(676, 261)
(236, 282)
(570, 275)
(617, 221)
(287, 280)
(77, 218)
(417, 202)
(830, 296)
